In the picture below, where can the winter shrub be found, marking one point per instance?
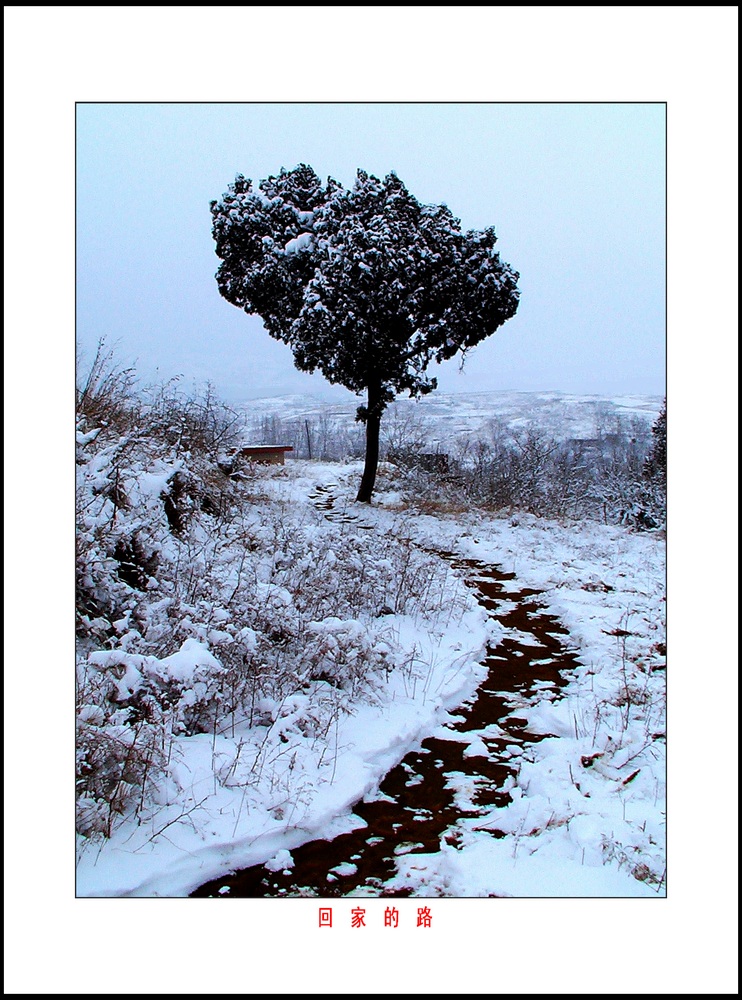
(203, 605)
(199, 424)
(612, 478)
(346, 653)
(114, 762)
(104, 393)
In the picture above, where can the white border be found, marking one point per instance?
(56, 56)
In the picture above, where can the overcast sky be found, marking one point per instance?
(576, 193)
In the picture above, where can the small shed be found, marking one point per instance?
(268, 454)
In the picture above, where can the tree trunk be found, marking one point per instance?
(373, 423)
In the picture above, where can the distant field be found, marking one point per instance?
(448, 417)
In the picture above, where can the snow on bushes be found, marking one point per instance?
(208, 618)
(615, 478)
(248, 669)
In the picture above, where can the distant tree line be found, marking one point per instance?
(616, 476)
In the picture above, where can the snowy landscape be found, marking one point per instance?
(403, 697)
(451, 423)
(263, 662)
(425, 656)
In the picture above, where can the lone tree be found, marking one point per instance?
(367, 285)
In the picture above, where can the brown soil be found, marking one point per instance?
(419, 811)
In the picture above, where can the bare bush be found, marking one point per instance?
(198, 423)
(104, 393)
(201, 608)
(509, 469)
(114, 764)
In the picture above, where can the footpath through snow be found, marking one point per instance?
(579, 811)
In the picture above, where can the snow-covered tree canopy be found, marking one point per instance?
(367, 285)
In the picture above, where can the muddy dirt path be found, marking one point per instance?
(417, 810)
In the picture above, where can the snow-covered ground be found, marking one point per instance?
(587, 816)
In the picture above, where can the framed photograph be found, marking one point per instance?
(342, 642)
